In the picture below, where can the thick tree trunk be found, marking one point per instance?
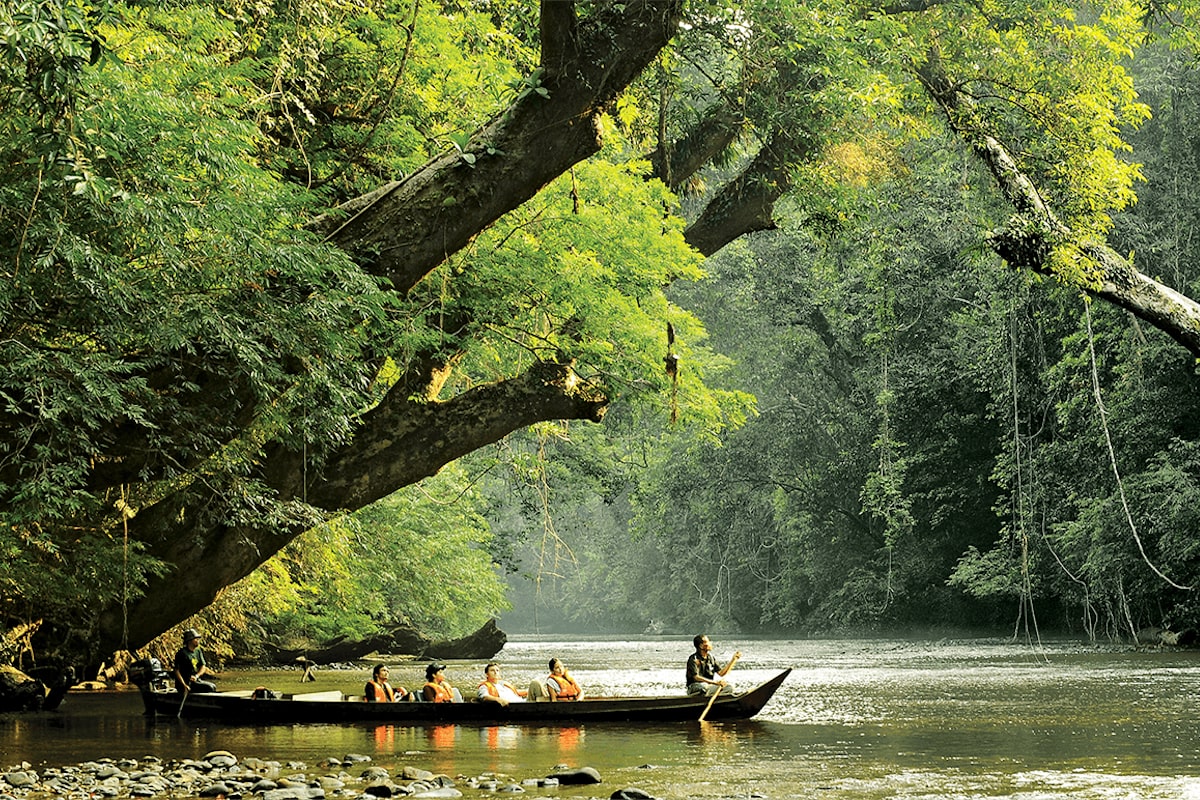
(402, 231)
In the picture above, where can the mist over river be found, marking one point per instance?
(964, 718)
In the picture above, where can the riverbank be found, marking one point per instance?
(221, 774)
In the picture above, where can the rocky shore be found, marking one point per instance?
(223, 776)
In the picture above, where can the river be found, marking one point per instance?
(878, 718)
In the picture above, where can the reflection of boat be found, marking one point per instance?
(333, 706)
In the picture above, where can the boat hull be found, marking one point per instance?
(240, 707)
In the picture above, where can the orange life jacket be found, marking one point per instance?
(383, 693)
(441, 692)
(568, 689)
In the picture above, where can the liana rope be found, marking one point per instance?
(1112, 456)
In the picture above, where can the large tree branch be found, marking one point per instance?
(1035, 232)
(674, 163)
(747, 203)
(404, 229)
(401, 441)
(559, 29)
(401, 232)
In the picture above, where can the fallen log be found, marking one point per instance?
(482, 644)
(400, 640)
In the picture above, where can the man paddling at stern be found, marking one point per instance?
(704, 675)
(190, 666)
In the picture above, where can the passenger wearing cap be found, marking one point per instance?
(437, 689)
(190, 666)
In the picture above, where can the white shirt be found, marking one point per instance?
(506, 693)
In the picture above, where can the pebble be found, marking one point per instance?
(222, 775)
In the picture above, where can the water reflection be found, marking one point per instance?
(499, 737)
(442, 737)
(569, 739)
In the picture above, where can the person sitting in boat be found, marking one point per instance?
(378, 690)
(190, 666)
(437, 689)
(704, 675)
(493, 690)
(559, 684)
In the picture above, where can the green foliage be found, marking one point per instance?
(441, 576)
(927, 449)
(552, 281)
(917, 412)
(46, 47)
(159, 280)
(1054, 81)
(992, 574)
(139, 235)
(418, 556)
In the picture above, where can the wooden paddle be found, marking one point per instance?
(186, 689)
(720, 688)
(712, 699)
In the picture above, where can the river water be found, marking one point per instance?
(857, 719)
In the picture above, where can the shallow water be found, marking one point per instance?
(856, 719)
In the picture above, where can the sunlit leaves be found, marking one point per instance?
(1052, 84)
(579, 274)
(156, 282)
(416, 557)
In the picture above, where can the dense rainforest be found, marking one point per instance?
(310, 309)
(938, 445)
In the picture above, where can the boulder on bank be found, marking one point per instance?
(576, 777)
(19, 692)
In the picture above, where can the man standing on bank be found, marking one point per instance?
(704, 675)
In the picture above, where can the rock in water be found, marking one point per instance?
(577, 777)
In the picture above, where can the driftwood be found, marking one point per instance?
(400, 640)
(15, 642)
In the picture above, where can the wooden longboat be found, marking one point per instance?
(333, 706)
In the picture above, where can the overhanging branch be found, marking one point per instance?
(1035, 233)
(401, 441)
